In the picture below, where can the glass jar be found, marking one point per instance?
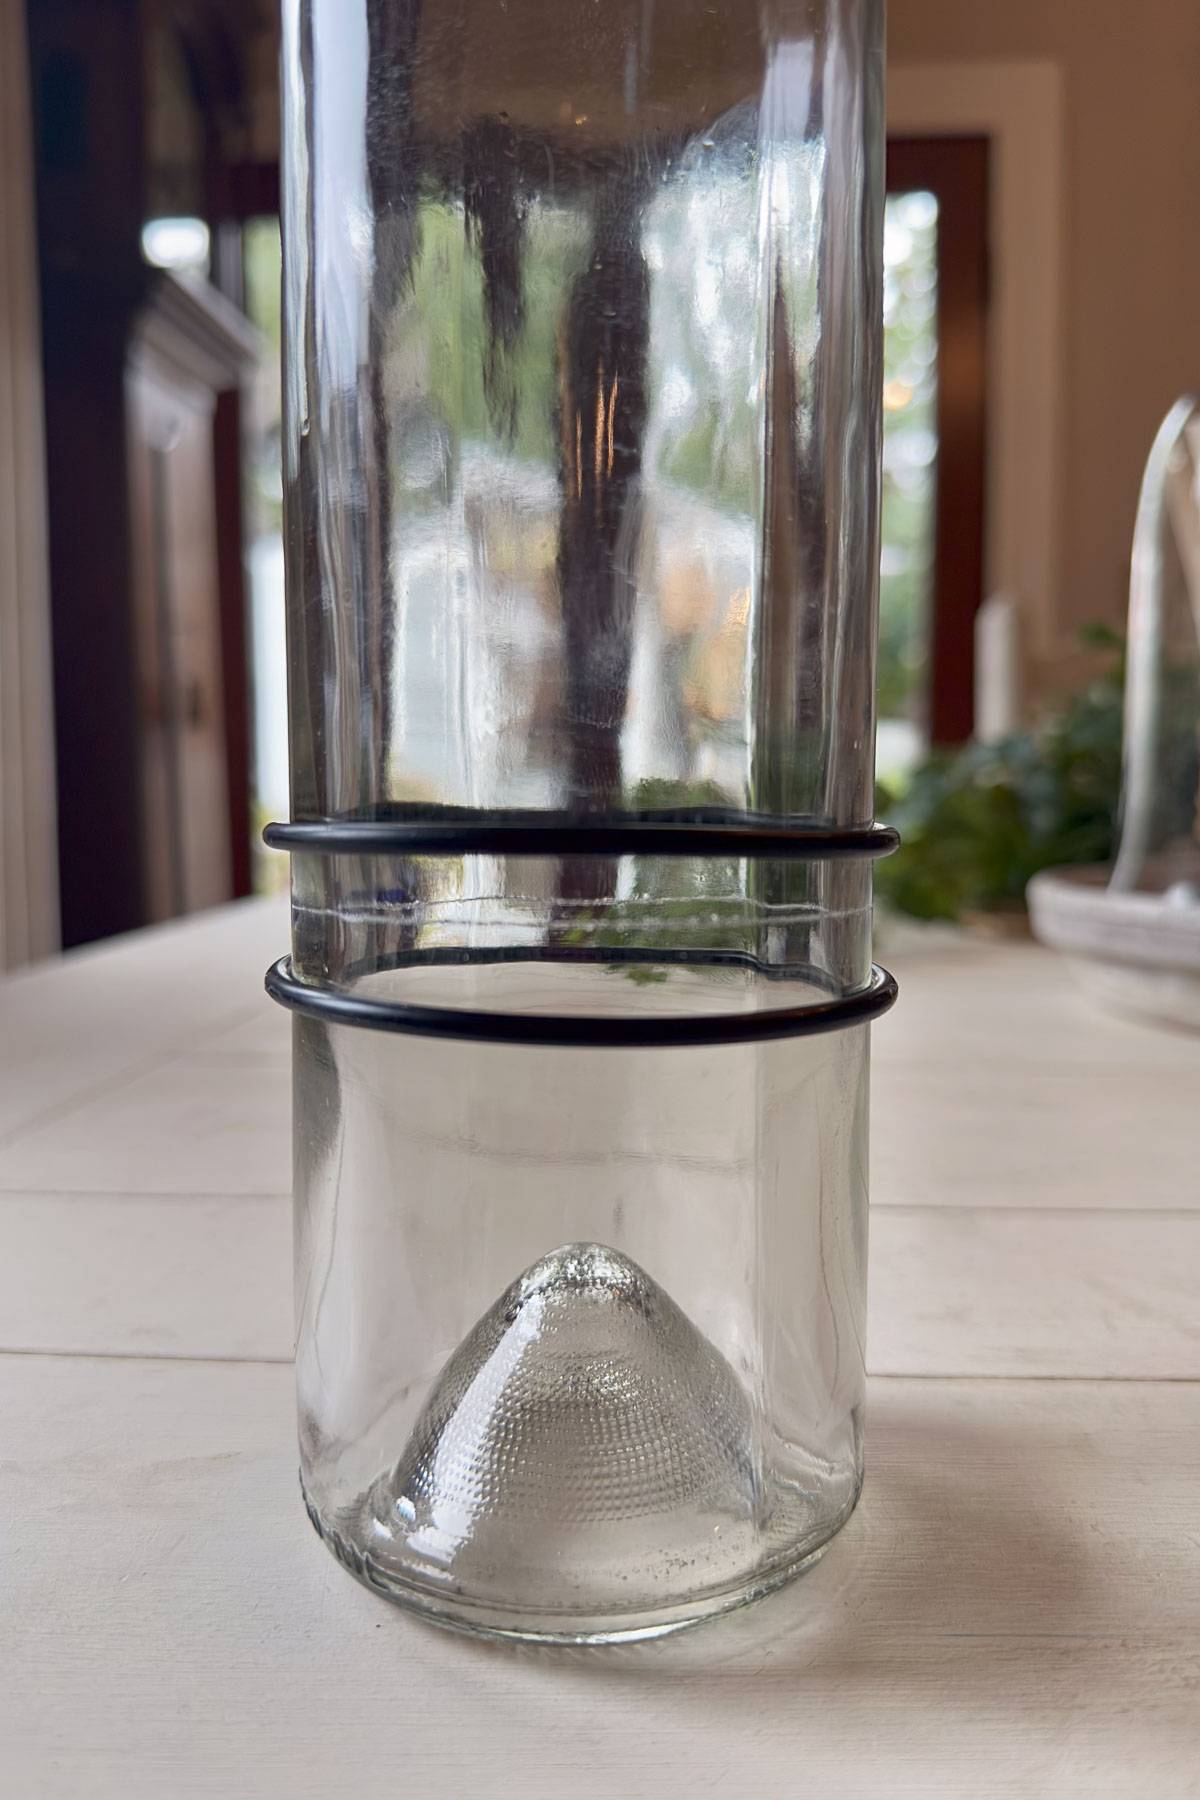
(1159, 849)
(582, 377)
(1132, 928)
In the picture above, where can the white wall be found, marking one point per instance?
(1109, 334)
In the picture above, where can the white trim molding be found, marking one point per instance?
(28, 836)
(1019, 107)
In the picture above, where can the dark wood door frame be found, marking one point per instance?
(955, 171)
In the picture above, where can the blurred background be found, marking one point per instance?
(1041, 305)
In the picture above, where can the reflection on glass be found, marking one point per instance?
(683, 659)
(495, 358)
(589, 465)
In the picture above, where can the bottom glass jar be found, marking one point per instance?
(580, 1329)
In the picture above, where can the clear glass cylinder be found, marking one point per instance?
(1159, 841)
(581, 1330)
(582, 376)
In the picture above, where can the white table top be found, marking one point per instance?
(1014, 1609)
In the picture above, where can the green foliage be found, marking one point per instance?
(979, 822)
(264, 479)
(445, 325)
(658, 793)
(676, 901)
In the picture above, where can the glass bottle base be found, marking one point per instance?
(458, 1612)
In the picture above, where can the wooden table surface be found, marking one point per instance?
(1014, 1609)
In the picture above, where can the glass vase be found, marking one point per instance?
(582, 374)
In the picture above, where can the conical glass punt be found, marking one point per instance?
(584, 1396)
(583, 1420)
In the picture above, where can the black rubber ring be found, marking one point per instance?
(453, 831)
(580, 1031)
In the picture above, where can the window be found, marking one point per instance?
(934, 437)
(909, 491)
(263, 511)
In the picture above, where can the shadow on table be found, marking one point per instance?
(963, 1579)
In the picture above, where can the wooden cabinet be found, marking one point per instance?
(188, 346)
(142, 375)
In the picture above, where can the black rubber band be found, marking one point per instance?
(580, 1030)
(456, 831)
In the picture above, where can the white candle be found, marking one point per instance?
(997, 668)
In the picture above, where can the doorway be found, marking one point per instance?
(935, 346)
